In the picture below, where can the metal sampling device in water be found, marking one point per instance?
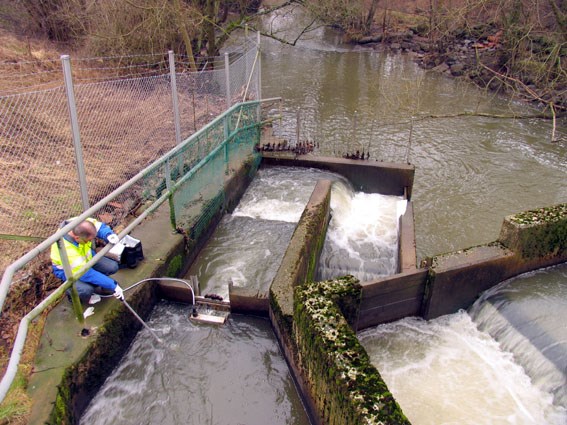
(207, 309)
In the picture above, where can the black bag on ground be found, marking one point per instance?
(132, 255)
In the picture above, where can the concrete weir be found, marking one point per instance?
(315, 322)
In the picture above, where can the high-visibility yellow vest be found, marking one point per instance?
(78, 254)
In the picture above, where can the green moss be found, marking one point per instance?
(541, 215)
(174, 266)
(60, 413)
(537, 233)
(347, 385)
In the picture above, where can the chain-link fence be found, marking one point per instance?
(72, 132)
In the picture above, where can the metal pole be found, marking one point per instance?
(247, 69)
(142, 321)
(226, 134)
(174, 97)
(259, 71)
(168, 185)
(77, 307)
(227, 75)
(75, 130)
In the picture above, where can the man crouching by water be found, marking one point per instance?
(79, 247)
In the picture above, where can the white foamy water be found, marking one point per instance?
(362, 238)
(280, 193)
(446, 371)
(271, 209)
(528, 316)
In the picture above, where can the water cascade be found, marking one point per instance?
(194, 370)
(362, 238)
(504, 362)
(248, 244)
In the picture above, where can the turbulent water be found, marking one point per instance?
(503, 362)
(528, 316)
(248, 245)
(362, 238)
(201, 374)
(447, 371)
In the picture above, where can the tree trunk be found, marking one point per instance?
(209, 23)
(370, 16)
(185, 35)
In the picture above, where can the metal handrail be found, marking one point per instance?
(32, 254)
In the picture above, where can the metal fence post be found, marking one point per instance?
(75, 130)
(259, 71)
(226, 128)
(171, 200)
(227, 75)
(174, 97)
(246, 53)
(77, 307)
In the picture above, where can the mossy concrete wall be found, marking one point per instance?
(344, 385)
(297, 267)
(456, 279)
(528, 241)
(366, 176)
(314, 323)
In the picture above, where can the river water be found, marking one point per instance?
(470, 173)
(200, 375)
(505, 362)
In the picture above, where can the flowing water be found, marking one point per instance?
(248, 245)
(201, 374)
(235, 374)
(362, 238)
(471, 171)
(503, 362)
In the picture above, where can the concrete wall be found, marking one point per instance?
(366, 176)
(407, 254)
(297, 267)
(454, 281)
(391, 298)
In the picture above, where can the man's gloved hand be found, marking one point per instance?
(119, 293)
(113, 238)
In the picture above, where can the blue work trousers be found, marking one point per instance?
(105, 266)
